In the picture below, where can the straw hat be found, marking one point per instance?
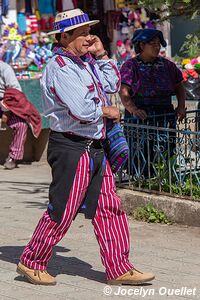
(71, 19)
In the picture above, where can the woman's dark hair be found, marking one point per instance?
(137, 48)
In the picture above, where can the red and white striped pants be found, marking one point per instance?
(110, 226)
(19, 134)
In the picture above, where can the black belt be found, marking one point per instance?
(96, 144)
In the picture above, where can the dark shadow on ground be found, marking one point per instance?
(41, 189)
(58, 265)
(26, 187)
(34, 204)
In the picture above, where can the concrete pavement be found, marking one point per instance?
(171, 252)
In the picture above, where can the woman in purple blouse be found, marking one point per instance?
(148, 84)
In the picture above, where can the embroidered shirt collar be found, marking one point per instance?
(59, 50)
(158, 61)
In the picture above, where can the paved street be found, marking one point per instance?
(171, 252)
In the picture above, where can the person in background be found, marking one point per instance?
(148, 83)
(163, 52)
(129, 47)
(18, 125)
(73, 87)
(18, 113)
(121, 53)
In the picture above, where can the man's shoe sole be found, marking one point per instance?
(129, 282)
(24, 274)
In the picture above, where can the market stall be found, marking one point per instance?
(27, 54)
(31, 87)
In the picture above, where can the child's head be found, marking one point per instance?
(120, 47)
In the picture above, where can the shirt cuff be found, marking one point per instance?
(99, 112)
(102, 62)
(126, 83)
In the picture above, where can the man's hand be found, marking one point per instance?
(111, 112)
(96, 46)
(139, 113)
(181, 113)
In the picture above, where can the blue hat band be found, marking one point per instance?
(61, 25)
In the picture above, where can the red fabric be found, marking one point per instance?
(75, 2)
(32, 24)
(43, 25)
(17, 103)
(51, 21)
(59, 6)
(19, 132)
(110, 225)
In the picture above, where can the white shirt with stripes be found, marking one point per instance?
(73, 95)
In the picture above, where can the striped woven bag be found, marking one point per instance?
(116, 147)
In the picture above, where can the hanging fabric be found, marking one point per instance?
(67, 4)
(21, 21)
(75, 3)
(4, 7)
(108, 5)
(28, 7)
(47, 7)
(59, 6)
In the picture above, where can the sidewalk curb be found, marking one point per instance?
(186, 212)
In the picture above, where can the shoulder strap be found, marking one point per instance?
(102, 94)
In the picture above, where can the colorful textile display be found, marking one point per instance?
(47, 7)
(21, 21)
(31, 24)
(121, 53)
(27, 54)
(12, 41)
(13, 33)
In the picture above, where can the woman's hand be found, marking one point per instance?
(129, 104)
(139, 113)
(181, 113)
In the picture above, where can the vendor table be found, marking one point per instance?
(32, 90)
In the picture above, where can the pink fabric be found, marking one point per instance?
(19, 127)
(110, 226)
(17, 103)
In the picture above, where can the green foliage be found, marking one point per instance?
(189, 8)
(178, 59)
(191, 46)
(149, 214)
(187, 187)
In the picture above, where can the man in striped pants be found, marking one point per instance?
(74, 86)
(18, 125)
